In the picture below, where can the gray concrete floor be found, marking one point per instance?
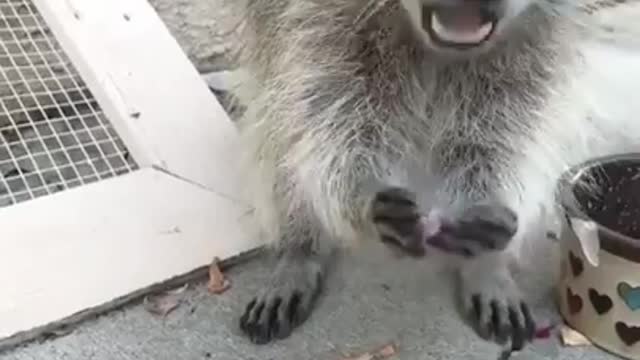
(376, 299)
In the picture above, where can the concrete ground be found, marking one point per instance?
(376, 299)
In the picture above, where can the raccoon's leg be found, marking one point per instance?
(492, 301)
(315, 217)
(491, 298)
(288, 297)
(491, 216)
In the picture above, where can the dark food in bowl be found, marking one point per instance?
(614, 201)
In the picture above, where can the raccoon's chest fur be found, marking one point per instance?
(468, 122)
(474, 122)
(460, 112)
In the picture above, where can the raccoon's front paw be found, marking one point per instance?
(284, 302)
(397, 217)
(480, 229)
(495, 307)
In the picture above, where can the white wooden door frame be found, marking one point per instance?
(81, 248)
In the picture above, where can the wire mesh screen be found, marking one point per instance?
(53, 134)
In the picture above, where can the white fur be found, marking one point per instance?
(594, 115)
(618, 23)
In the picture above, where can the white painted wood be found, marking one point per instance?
(84, 247)
(80, 248)
(148, 88)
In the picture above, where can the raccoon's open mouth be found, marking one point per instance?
(462, 26)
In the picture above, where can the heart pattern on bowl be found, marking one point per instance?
(628, 334)
(601, 302)
(630, 295)
(574, 301)
(577, 267)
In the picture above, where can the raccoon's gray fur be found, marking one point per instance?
(349, 116)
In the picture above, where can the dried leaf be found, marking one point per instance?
(59, 332)
(384, 352)
(217, 281)
(571, 337)
(161, 305)
(179, 290)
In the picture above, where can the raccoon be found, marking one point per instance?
(426, 124)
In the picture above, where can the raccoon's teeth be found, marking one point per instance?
(459, 34)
